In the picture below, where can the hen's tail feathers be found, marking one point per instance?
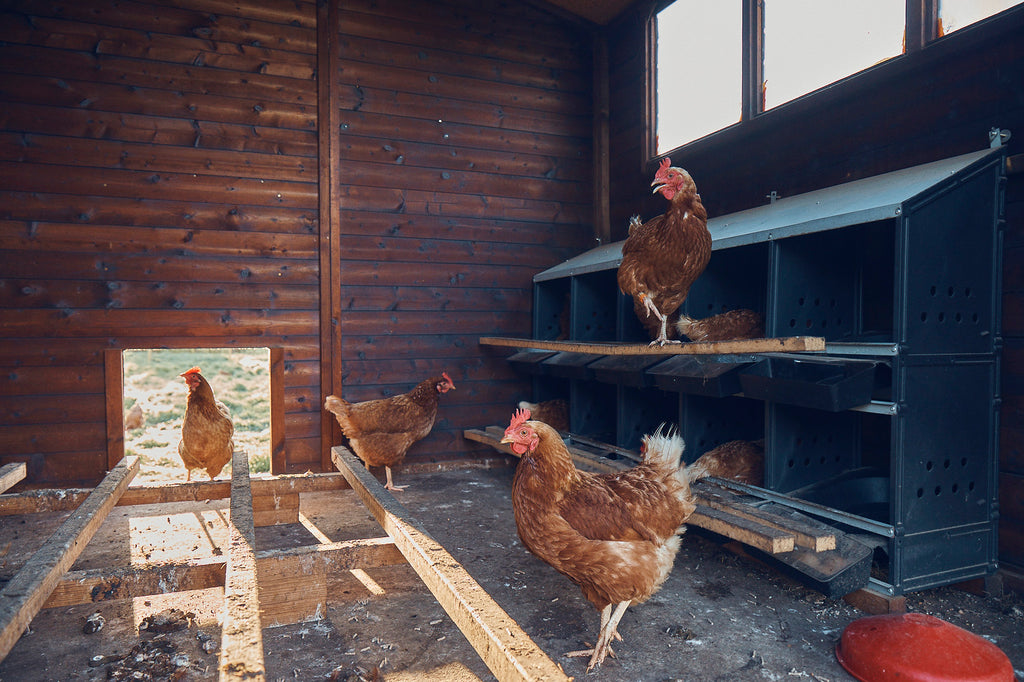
(665, 446)
(337, 406)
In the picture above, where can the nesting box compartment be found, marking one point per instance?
(698, 375)
(900, 273)
(530, 361)
(823, 384)
(626, 370)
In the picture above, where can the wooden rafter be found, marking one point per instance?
(241, 651)
(128, 582)
(65, 499)
(505, 647)
(29, 589)
(10, 474)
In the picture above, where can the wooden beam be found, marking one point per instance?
(328, 56)
(813, 537)
(765, 538)
(25, 594)
(11, 474)
(65, 499)
(241, 649)
(128, 582)
(784, 344)
(505, 647)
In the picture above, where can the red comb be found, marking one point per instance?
(519, 418)
(194, 370)
(666, 163)
(448, 379)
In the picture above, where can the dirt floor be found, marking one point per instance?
(720, 616)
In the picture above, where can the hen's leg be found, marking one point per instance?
(389, 485)
(653, 310)
(608, 631)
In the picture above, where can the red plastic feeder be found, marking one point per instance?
(914, 647)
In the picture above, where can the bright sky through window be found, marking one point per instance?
(955, 14)
(811, 43)
(699, 70)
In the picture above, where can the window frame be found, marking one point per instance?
(922, 29)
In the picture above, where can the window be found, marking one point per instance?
(699, 89)
(955, 14)
(811, 43)
(719, 63)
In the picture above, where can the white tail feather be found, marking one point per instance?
(665, 445)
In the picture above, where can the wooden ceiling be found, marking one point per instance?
(598, 11)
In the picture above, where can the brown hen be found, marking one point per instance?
(207, 430)
(381, 431)
(728, 326)
(661, 258)
(614, 535)
(738, 460)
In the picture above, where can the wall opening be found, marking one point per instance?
(154, 398)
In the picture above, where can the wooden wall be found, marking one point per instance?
(160, 186)
(465, 169)
(934, 104)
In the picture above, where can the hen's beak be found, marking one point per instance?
(505, 439)
(657, 185)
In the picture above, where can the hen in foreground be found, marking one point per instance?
(207, 429)
(614, 535)
(382, 431)
(662, 257)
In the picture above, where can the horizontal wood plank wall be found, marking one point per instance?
(935, 104)
(158, 188)
(465, 169)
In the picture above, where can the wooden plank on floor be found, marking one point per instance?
(129, 582)
(784, 344)
(505, 647)
(241, 647)
(765, 538)
(64, 499)
(29, 589)
(11, 474)
(815, 537)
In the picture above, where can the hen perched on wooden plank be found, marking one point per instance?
(614, 535)
(207, 430)
(382, 431)
(728, 326)
(662, 257)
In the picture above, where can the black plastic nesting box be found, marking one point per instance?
(822, 383)
(901, 274)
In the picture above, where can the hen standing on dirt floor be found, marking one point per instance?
(614, 535)
(206, 430)
(381, 431)
(662, 257)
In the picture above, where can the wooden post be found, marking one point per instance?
(505, 647)
(241, 651)
(25, 594)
